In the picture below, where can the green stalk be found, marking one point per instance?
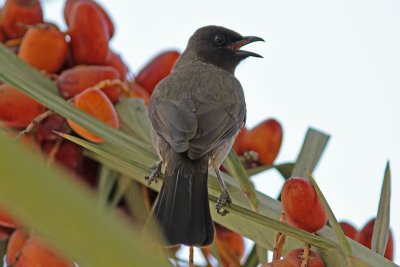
(344, 244)
(382, 223)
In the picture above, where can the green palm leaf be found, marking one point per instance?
(58, 207)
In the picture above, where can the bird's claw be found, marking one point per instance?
(224, 200)
(150, 179)
(155, 174)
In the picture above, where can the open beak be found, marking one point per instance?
(244, 41)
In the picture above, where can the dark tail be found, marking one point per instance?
(182, 208)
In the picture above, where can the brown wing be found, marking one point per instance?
(215, 125)
(175, 121)
(195, 130)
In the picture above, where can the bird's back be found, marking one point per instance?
(197, 107)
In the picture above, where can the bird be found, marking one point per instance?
(195, 114)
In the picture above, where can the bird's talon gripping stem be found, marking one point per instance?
(155, 173)
(224, 200)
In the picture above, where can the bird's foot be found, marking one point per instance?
(224, 200)
(155, 173)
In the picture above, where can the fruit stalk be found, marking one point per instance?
(306, 251)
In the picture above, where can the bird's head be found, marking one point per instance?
(220, 46)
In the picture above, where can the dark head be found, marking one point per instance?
(220, 46)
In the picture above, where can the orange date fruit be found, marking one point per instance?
(348, 229)
(265, 139)
(136, 91)
(36, 253)
(69, 155)
(239, 145)
(295, 257)
(68, 8)
(114, 60)
(156, 70)
(75, 80)
(44, 48)
(44, 130)
(95, 103)
(15, 246)
(301, 205)
(230, 245)
(6, 220)
(17, 110)
(17, 14)
(89, 34)
(364, 237)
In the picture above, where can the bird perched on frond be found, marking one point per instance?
(196, 113)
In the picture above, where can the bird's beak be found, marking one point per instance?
(242, 42)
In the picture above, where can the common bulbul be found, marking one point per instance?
(196, 113)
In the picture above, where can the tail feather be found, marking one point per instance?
(182, 208)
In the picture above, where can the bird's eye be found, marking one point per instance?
(219, 39)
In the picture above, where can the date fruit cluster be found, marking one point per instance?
(88, 74)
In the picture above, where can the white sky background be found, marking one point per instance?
(332, 65)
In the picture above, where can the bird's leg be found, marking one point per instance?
(155, 173)
(224, 198)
